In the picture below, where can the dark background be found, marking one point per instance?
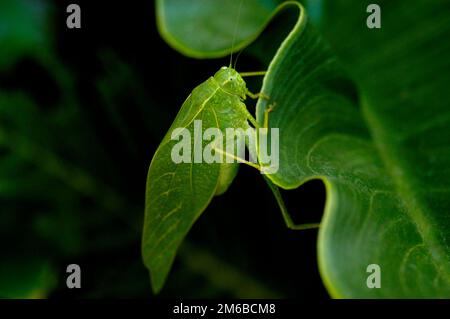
(127, 85)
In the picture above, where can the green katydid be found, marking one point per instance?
(178, 193)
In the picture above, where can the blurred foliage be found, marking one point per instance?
(21, 39)
(55, 176)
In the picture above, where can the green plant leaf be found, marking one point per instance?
(383, 160)
(189, 27)
(403, 72)
(382, 147)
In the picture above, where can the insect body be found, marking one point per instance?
(177, 193)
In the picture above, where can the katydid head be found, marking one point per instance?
(231, 81)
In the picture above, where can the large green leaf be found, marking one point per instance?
(202, 28)
(374, 212)
(382, 150)
(403, 72)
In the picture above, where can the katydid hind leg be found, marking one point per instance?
(238, 159)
